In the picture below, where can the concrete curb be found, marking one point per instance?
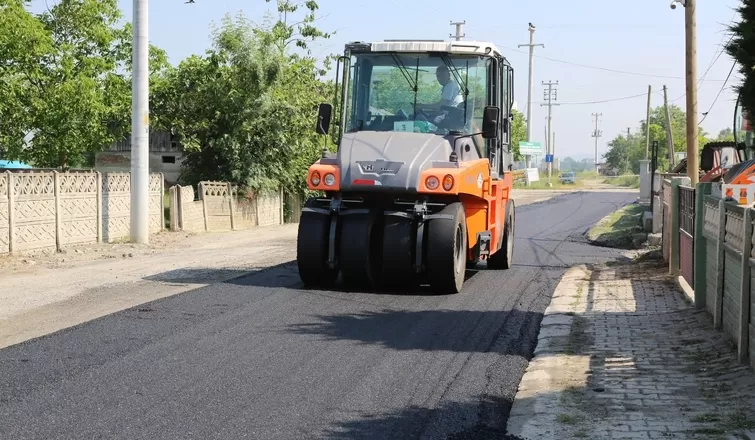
(550, 372)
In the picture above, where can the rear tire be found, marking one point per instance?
(447, 250)
(503, 257)
(312, 249)
(359, 265)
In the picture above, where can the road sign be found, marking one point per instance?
(530, 148)
(548, 158)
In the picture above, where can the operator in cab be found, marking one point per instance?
(450, 94)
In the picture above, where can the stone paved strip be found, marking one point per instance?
(621, 354)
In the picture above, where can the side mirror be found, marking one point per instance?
(490, 121)
(323, 118)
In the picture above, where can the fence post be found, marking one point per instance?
(282, 209)
(173, 193)
(99, 206)
(11, 213)
(58, 232)
(162, 202)
(204, 205)
(718, 306)
(232, 205)
(700, 279)
(674, 242)
(744, 288)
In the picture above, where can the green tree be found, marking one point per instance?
(64, 86)
(742, 49)
(727, 134)
(518, 133)
(246, 110)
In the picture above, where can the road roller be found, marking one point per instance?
(418, 187)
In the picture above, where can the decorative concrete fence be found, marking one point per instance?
(719, 235)
(218, 206)
(51, 210)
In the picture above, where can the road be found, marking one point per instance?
(259, 357)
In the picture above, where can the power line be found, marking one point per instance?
(605, 100)
(606, 69)
(719, 93)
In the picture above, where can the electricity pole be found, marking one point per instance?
(459, 29)
(647, 126)
(690, 43)
(550, 96)
(690, 21)
(530, 85)
(140, 125)
(669, 133)
(596, 134)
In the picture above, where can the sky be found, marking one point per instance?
(596, 50)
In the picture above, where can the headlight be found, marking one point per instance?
(432, 183)
(315, 178)
(448, 182)
(330, 179)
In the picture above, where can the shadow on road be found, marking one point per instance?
(421, 422)
(463, 331)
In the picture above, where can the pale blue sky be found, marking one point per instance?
(640, 36)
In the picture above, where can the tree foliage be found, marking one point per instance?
(64, 80)
(625, 151)
(742, 49)
(246, 109)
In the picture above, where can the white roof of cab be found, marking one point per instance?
(460, 47)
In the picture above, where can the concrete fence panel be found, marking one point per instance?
(217, 204)
(79, 208)
(191, 211)
(116, 205)
(733, 243)
(33, 211)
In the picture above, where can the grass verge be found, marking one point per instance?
(619, 229)
(623, 181)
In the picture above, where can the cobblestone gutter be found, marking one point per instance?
(621, 354)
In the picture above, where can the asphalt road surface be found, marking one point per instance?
(259, 357)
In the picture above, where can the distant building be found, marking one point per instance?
(165, 156)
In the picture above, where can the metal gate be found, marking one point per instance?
(687, 233)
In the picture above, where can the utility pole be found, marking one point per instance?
(459, 29)
(596, 134)
(669, 133)
(531, 85)
(628, 134)
(647, 125)
(553, 149)
(550, 96)
(690, 21)
(140, 125)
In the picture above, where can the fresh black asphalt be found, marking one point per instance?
(259, 357)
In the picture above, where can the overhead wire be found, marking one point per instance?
(624, 72)
(719, 93)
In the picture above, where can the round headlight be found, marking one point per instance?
(315, 178)
(448, 182)
(432, 183)
(330, 179)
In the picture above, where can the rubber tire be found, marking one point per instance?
(503, 257)
(445, 270)
(397, 269)
(357, 251)
(312, 250)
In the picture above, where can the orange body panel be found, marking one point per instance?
(745, 177)
(484, 201)
(317, 167)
